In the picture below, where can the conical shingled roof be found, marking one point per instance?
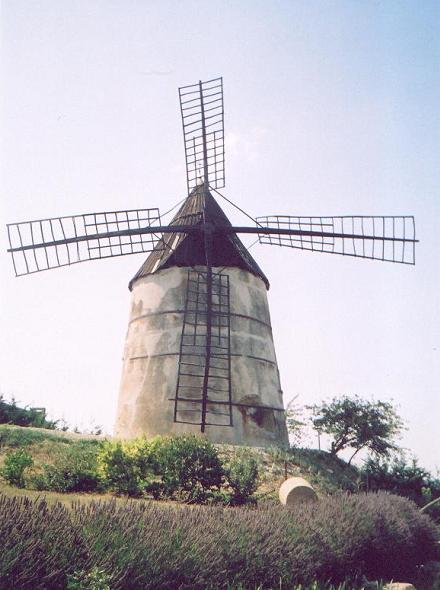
(189, 249)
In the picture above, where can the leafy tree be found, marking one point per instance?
(358, 424)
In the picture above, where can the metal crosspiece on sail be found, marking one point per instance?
(202, 240)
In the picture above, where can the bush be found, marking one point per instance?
(189, 466)
(14, 467)
(118, 471)
(183, 466)
(242, 476)
(126, 468)
(146, 546)
(74, 469)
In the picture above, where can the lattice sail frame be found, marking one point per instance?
(386, 238)
(61, 241)
(202, 112)
(203, 390)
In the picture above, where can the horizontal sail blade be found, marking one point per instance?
(201, 106)
(61, 241)
(385, 238)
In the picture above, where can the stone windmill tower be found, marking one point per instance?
(174, 319)
(199, 354)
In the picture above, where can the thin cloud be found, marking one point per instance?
(246, 144)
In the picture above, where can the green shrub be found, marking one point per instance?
(189, 466)
(126, 467)
(184, 466)
(119, 472)
(242, 476)
(74, 469)
(14, 467)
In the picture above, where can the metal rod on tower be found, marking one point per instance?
(207, 234)
(208, 248)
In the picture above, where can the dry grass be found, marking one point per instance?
(53, 497)
(68, 500)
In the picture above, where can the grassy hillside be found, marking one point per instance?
(327, 474)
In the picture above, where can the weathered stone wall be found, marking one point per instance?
(151, 358)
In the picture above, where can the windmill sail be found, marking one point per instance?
(202, 112)
(203, 392)
(61, 241)
(384, 238)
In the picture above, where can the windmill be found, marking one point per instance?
(199, 353)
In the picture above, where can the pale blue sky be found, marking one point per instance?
(331, 108)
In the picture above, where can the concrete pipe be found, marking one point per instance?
(296, 490)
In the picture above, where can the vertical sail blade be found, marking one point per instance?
(202, 112)
(189, 400)
(386, 238)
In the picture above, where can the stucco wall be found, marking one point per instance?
(151, 358)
